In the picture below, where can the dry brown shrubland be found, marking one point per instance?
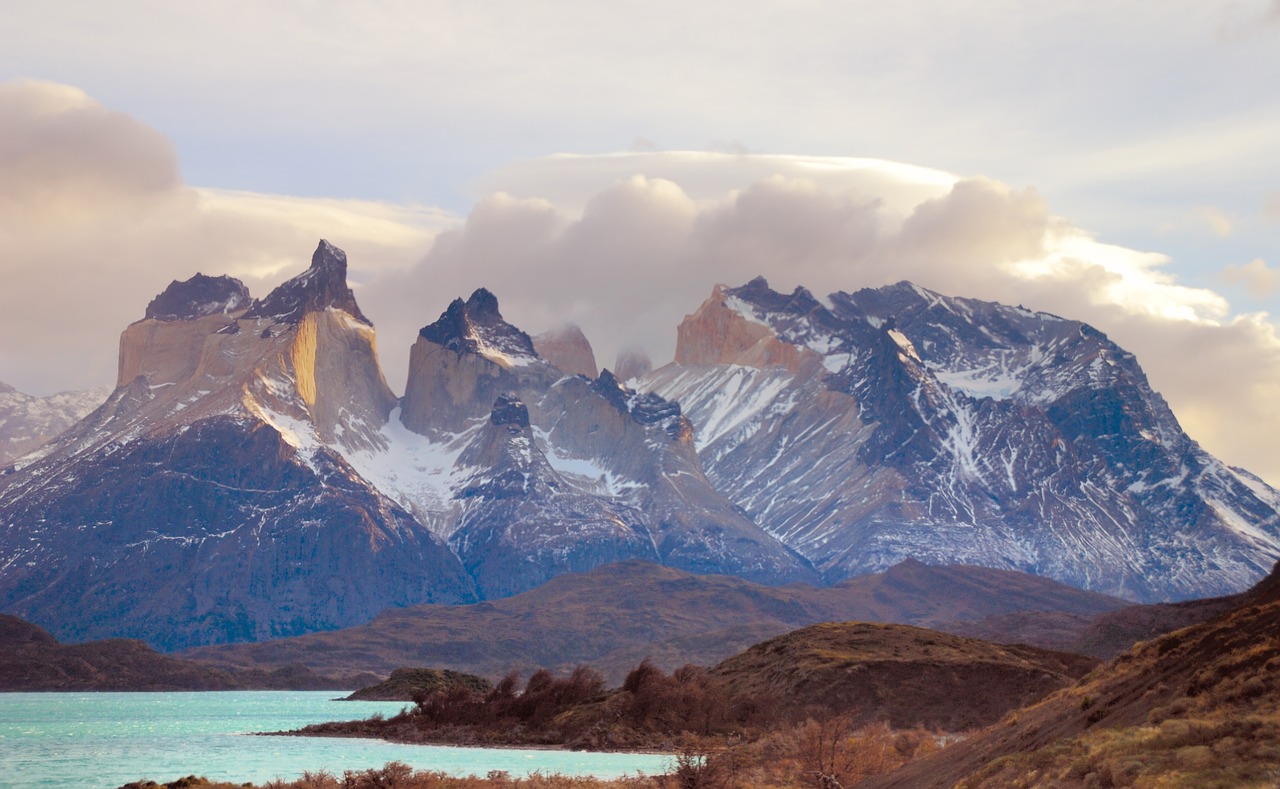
(825, 753)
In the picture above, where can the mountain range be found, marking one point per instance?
(252, 475)
(617, 615)
(897, 422)
(28, 422)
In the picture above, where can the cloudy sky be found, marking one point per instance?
(607, 163)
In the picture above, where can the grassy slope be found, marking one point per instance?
(1199, 707)
(905, 676)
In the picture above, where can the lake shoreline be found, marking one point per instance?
(462, 743)
(104, 740)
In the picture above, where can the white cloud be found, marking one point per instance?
(570, 180)
(95, 220)
(1260, 279)
(645, 250)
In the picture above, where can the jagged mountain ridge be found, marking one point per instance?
(254, 463)
(253, 476)
(898, 423)
(539, 472)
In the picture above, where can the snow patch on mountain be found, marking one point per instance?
(420, 474)
(587, 474)
(732, 403)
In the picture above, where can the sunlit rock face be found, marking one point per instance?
(897, 422)
(209, 498)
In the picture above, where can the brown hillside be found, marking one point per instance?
(615, 615)
(31, 659)
(1196, 707)
(906, 676)
(1103, 636)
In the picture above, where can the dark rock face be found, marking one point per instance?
(219, 532)
(901, 423)
(508, 410)
(476, 325)
(646, 408)
(198, 297)
(322, 285)
(464, 361)
(608, 387)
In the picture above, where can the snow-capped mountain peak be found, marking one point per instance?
(955, 430)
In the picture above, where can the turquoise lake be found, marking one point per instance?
(105, 740)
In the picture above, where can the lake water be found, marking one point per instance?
(105, 740)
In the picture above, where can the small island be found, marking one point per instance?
(407, 684)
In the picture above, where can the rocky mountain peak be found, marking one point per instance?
(322, 285)
(567, 348)
(632, 363)
(477, 326)
(758, 293)
(509, 409)
(753, 326)
(645, 408)
(6, 389)
(482, 306)
(198, 297)
(1015, 425)
(610, 388)
(758, 287)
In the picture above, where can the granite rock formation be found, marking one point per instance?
(208, 499)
